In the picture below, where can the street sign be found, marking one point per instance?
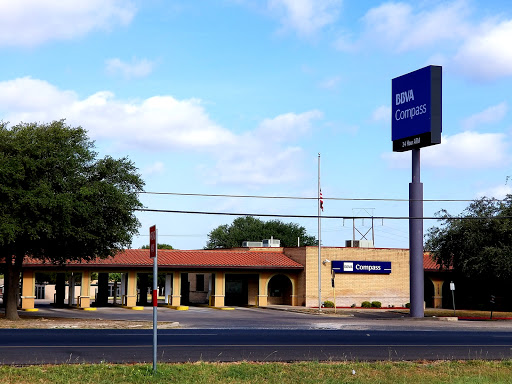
(152, 241)
(368, 267)
(452, 288)
(153, 253)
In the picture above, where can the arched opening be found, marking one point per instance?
(280, 290)
(429, 292)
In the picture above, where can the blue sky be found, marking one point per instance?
(238, 97)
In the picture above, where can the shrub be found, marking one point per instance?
(376, 304)
(353, 305)
(328, 304)
(407, 305)
(366, 304)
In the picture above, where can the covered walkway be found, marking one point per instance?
(233, 277)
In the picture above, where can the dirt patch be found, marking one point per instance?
(66, 323)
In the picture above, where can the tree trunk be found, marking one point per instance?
(12, 285)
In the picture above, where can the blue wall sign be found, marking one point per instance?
(382, 267)
(416, 100)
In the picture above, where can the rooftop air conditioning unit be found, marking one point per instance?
(252, 244)
(272, 243)
(359, 243)
(352, 243)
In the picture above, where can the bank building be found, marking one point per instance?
(256, 274)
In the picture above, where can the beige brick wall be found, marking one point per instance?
(299, 255)
(253, 288)
(390, 290)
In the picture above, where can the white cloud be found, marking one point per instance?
(461, 41)
(382, 114)
(265, 154)
(498, 192)
(388, 22)
(136, 68)
(257, 164)
(154, 169)
(486, 55)
(331, 83)
(399, 27)
(306, 16)
(32, 22)
(345, 43)
(493, 114)
(466, 150)
(470, 150)
(286, 127)
(156, 122)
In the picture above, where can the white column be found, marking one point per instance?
(168, 289)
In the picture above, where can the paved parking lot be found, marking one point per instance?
(279, 317)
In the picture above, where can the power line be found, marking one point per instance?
(309, 198)
(323, 217)
(159, 235)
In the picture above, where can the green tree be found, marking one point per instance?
(159, 246)
(252, 229)
(58, 201)
(478, 244)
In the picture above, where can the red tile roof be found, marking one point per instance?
(430, 265)
(198, 259)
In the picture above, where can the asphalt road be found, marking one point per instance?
(257, 334)
(30, 346)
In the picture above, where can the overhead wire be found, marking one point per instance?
(307, 198)
(323, 217)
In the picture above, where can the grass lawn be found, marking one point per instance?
(281, 373)
(466, 313)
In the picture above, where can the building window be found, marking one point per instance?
(199, 282)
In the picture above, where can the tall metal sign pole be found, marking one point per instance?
(416, 122)
(153, 252)
(416, 238)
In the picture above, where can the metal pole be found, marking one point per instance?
(373, 233)
(155, 304)
(453, 299)
(416, 238)
(333, 287)
(319, 242)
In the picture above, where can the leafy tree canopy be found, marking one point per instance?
(58, 201)
(253, 229)
(479, 243)
(159, 246)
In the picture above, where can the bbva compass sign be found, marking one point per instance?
(416, 109)
(381, 267)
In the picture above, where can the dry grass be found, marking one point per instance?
(63, 323)
(429, 312)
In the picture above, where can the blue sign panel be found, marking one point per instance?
(416, 109)
(382, 267)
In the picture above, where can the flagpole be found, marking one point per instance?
(319, 242)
